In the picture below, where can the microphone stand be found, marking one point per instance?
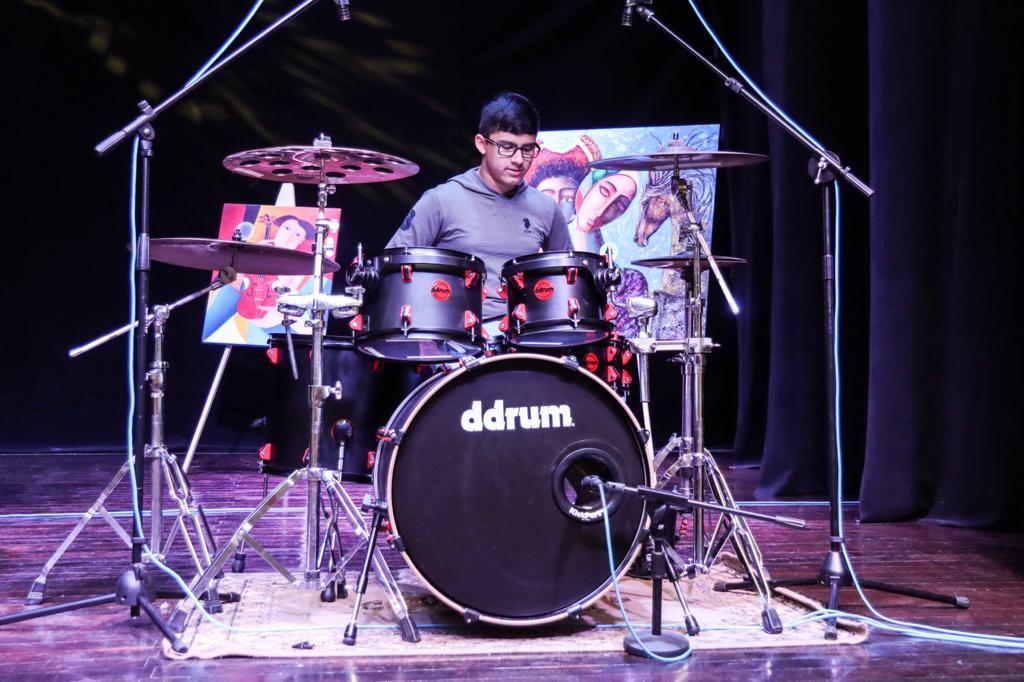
(132, 587)
(825, 166)
(670, 644)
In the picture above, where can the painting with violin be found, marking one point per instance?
(245, 312)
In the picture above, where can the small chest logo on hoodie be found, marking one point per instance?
(526, 224)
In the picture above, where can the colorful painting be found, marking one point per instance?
(245, 312)
(629, 209)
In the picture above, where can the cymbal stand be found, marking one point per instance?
(182, 494)
(697, 470)
(313, 473)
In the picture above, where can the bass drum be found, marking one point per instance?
(482, 473)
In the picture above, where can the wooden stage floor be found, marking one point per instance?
(41, 497)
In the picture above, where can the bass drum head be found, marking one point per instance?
(483, 487)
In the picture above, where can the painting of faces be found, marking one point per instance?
(627, 209)
(245, 313)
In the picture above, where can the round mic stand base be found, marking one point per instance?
(667, 644)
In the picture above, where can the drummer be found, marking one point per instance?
(489, 211)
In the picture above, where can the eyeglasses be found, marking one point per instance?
(529, 149)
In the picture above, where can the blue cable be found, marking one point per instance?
(136, 512)
(820, 148)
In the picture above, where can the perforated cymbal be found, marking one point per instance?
(313, 164)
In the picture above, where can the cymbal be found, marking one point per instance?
(247, 257)
(308, 165)
(684, 261)
(675, 154)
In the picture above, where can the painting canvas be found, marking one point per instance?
(628, 209)
(245, 313)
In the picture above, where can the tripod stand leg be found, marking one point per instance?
(410, 633)
(692, 626)
(36, 592)
(202, 581)
(737, 530)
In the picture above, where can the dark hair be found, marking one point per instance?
(509, 112)
(306, 225)
(558, 167)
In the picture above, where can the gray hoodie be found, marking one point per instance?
(466, 215)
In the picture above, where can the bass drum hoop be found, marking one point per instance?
(422, 395)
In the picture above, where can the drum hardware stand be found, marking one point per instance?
(835, 573)
(825, 168)
(313, 473)
(672, 644)
(132, 589)
(696, 467)
(164, 464)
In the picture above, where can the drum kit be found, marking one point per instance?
(483, 472)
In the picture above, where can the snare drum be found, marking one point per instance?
(554, 300)
(422, 304)
(482, 480)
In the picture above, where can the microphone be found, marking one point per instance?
(344, 13)
(627, 12)
(592, 482)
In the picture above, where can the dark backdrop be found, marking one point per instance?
(919, 98)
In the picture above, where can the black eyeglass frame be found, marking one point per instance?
(508, 154)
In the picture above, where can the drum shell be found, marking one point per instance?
(477, 515)
(435, 287)
(547, 287)
(371, 390)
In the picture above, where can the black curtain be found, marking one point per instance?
(919, 97)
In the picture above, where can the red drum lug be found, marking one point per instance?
(627, 355)
(406, 273)
(266, 453)
(356, 323)
(520, 312)
(627, 378)
(483, 293)
(610, 313)
(274, 354)
(503, 325)
(570, 275)
(484, 335)
(574, 307)
(469, 320)
(371, 458)
(610, 352)
(405, 315)
(611, 375)
(502, 291)
(305, 456)
(519, 280)
(471, 277)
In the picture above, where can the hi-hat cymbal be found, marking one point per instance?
(684, 261)
(311, 165)
(247, 257)
(677, 155)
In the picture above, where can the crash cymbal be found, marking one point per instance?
(675, 154)
(307, 165)
(217, 254)
(684, 261)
